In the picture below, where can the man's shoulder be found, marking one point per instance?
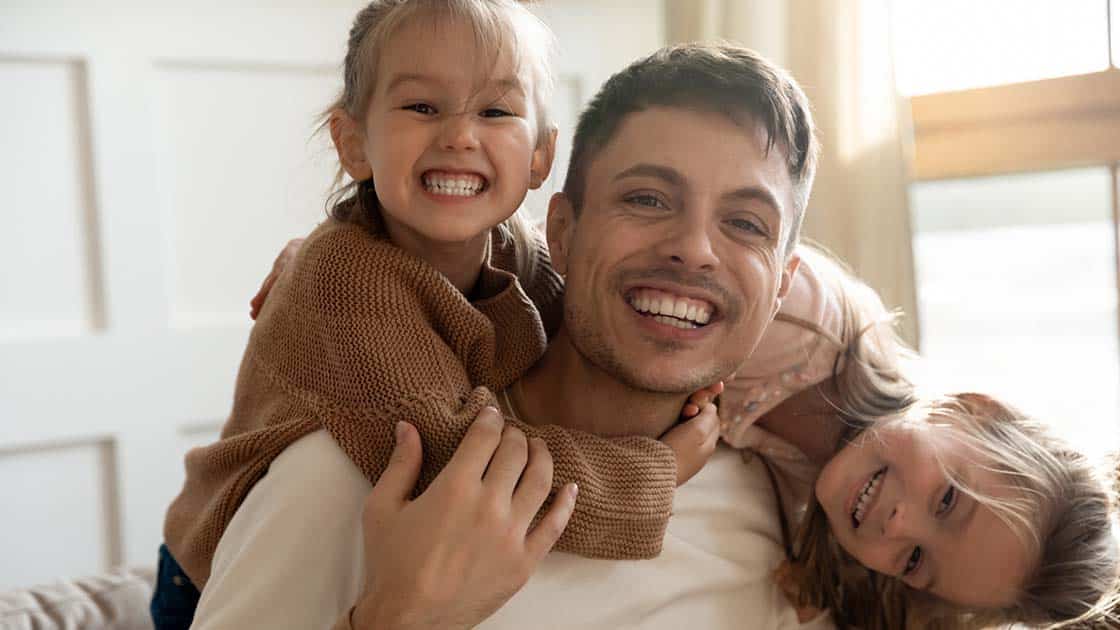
(288, 489)
(300, 525)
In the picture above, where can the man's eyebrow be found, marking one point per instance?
(754, 193)
(669, 175)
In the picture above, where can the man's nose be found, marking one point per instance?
(690, 244)
(459, 133)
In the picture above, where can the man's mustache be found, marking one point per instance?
(728, 304)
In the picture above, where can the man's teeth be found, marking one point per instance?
(866, 496)
(456, 185)
(671, 309)
(672, 321)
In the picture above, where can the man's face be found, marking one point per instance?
(675, 264)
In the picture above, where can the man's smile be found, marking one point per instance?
(670, 309)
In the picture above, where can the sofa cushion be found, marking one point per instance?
(117, 600)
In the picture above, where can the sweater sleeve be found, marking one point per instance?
(374, 336)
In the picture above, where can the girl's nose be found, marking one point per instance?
(898, 523)
(459, 133)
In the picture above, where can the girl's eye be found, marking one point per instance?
(649, 201)
(494, 112)
(947, 500)
(913, 562)
(421, 108)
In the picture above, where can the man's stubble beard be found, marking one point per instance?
(592, 348)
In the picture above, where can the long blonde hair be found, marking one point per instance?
(498, 25)
(1063, 509)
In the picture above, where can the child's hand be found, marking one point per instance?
(282, 260)
(700, 398)
(693, 442)
(784, 578)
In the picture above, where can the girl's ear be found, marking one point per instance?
(543, 155)
(349, 142)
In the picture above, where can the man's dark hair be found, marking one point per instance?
(728, 80)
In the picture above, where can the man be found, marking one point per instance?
(675, 233)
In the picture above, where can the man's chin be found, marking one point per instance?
(667, 381)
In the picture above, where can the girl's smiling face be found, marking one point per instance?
(891, 506)
(451, 136)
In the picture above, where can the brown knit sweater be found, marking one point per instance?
(358, 334)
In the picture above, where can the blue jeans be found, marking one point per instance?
(175, 598)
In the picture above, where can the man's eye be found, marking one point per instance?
(649, 201)
(913, 562)
(747, 225)
(947, 500)
(421, 108)
(495, 112)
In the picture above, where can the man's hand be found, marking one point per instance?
(453, 556)
(282, 260)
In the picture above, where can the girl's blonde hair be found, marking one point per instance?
(499, 25)
(1062, 509)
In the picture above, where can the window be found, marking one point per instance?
(1016, 112)
(1017, 293)
(958, 44)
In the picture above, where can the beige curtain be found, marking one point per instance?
(839, 50)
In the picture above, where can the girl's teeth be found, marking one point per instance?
(459, 186)
(865, 497)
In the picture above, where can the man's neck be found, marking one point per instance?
(565, 389)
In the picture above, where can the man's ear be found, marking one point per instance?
(543, 155)
(349, 142)
(558, 230)
(789, 272)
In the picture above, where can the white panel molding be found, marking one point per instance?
(53, 284)
(212, 121)
(63, 510)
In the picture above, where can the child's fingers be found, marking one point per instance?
(693, 442)
(257, 302)
(701, 397)
(712, 436)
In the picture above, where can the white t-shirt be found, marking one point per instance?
(292, 557)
